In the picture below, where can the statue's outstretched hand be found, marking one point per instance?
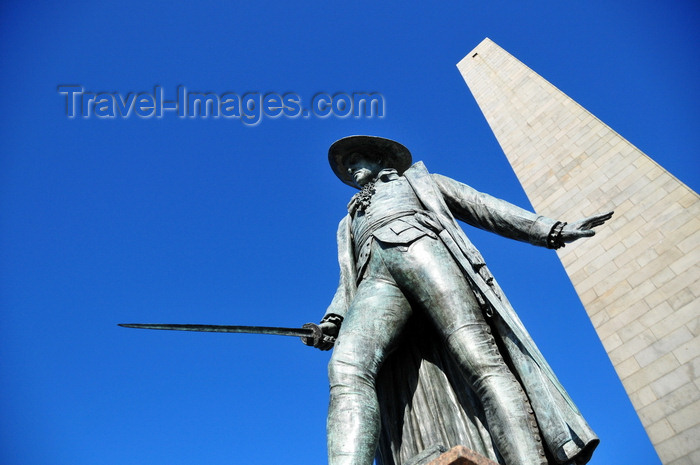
(584, 227)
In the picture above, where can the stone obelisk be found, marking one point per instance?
(639, 280)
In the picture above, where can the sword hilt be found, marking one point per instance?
(317, 337)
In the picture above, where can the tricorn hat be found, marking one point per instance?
(391, 153)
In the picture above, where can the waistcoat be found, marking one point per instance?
(390, 217)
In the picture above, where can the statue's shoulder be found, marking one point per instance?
(419, 172)
(416, 170)
(417, 166)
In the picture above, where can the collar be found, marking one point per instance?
(362, 199)
(388, 174)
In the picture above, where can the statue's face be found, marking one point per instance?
(362, 169)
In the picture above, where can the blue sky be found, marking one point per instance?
(203, 220)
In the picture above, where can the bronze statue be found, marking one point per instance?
(403, 258)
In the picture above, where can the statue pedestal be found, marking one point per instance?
(460, 455)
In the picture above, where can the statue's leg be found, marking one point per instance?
(431, 279)
(378, 313)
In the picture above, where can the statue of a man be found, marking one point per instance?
(401, 253)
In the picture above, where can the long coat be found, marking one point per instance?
(425, 401)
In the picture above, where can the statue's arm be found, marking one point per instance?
(346, 285)
(335, 313)
(492, 214)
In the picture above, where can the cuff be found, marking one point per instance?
(554, 239)
(332, 318)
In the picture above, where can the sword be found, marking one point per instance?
(310, 333)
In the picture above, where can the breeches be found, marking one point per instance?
(422, 277)
(399, 280)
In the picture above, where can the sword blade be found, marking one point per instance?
(298, 332)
